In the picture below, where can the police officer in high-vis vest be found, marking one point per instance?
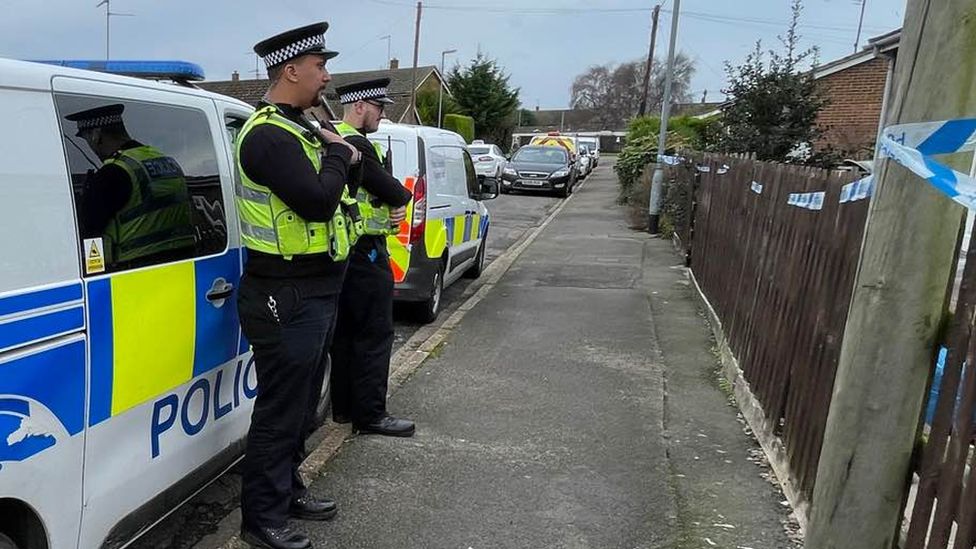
(364, 331)
(137, 202)
(292, 180)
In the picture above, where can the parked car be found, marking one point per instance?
(585, 161)
(541, 168)
(488, 159)
(593, 144)
(445, 234)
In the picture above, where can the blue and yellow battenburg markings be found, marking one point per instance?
(465, 228)
(154, 330)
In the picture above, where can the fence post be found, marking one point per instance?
(895, 313)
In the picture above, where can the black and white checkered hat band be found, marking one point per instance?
(99, 122)
(362, 95)
(294, 50)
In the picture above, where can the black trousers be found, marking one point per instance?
(363, 339)
(290, 335)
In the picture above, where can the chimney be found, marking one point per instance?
(394, 64)
(235, 76)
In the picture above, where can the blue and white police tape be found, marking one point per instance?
(721, 170)
(757, 187)
(858, 190)
(670, 160)
(914, 145)
(807, 201)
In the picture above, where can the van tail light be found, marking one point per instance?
(419, 221)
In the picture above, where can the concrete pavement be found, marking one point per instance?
(576, 406)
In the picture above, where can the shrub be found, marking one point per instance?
(463, 125)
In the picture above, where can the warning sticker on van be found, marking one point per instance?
(94, 256)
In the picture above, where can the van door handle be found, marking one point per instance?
(469, 212)
(220, 291)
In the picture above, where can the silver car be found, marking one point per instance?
(489, 160)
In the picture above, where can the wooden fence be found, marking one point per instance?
(942, 510)
(779, 278)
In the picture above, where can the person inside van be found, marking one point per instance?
(137, 202)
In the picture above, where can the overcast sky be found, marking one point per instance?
(542, 44)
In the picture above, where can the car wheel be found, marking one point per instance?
(428, 309)
(564, 192)
(475, 270)
(7, 543)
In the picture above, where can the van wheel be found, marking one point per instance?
(428, 310)
(475, 270)
(7, 543)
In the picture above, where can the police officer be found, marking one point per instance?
(364, 331)
(137, 202)
(292, 180)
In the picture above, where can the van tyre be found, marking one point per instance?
(428, 309)
(475, 270)
(7, 543)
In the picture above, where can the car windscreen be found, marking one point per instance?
(542, 155)
(478, 150)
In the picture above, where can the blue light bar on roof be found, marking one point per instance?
(171, 70)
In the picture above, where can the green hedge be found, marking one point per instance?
(464, 125)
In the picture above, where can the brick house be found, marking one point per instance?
(429, 78)
(857, 87)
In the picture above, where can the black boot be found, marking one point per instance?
(389, 426)
(275, 538)
(309, 507)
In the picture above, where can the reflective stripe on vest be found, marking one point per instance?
(157, 217)
(268, 225)
(375, 215)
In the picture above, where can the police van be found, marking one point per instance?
(444, 236)
(125, 383)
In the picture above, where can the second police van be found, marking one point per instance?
(445, 235)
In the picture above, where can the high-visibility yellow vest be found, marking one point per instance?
(268, 225)
(156, 218)
(375, 215)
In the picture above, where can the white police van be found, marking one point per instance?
(445, 235)
(124, 387)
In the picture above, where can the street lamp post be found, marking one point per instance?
(440, 94)
(389, 56)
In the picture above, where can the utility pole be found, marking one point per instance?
(650, 61)
(896, 309)
(109, 14)
(440, 91)
(657, 183)
(860, 24)
(416, 52)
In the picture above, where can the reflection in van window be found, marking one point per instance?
(145, 180)
(401, 164)
(448, 164)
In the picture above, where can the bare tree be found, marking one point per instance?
(614, 91)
